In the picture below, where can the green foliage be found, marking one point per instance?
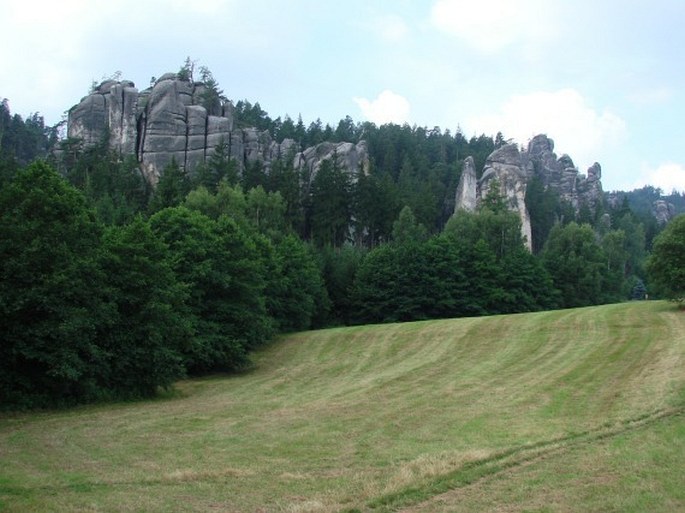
(296, 295)
(50, 288)
(211, 97)
(147, 327)
(185, 72)
(339, 268)
(577, 264)
(254, 175)
(406, 229)
(638, 290)
(247, 115)
(410, 280)
(219, 264)
(284, 179)
(544, 209)
(171, 189)
(330, 214)
(666, 265)
(85, 315)
(376, 206)
(220, 166)
(24, 140)
(114, 186)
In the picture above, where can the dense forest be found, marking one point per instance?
(111, 289)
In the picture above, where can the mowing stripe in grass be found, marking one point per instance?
(473, 471)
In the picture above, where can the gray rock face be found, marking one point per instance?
(512, 169)
(506, 169)
(168, 121)
(108, 112)
(562, 175)
(663, 211)
(348, 156)
(468, 186)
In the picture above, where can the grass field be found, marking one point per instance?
(574, 410)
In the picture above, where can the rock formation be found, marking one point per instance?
(512, 169)
(562, 175)
(169, 121)
(467, 190)
(505, 168)
(663, 211)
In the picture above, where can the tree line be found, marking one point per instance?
(110, 289)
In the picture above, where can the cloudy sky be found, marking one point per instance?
(604, 78)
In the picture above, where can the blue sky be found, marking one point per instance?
(604, 79)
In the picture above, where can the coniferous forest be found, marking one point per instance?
(113, 289)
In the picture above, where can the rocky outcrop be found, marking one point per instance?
(505, 169)
(109, 112)
(663, 211)
(512, 169)
(170, 121)
(467, 190)
(348, 156)
(562, 175)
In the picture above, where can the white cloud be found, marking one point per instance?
(388, 107)
(491, 25)
(667, 176)
(576, 128)
(391, 28)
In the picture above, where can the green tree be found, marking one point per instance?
(24, 140)
(410, 280)
(51, 302)
(172, 187)
(666, 265)
(254, 175)
(284, 179)
(185, 73)
(576, 262)
(219, 166)
(265, 211)
(543, 208)
(407, 229)
(615, 256)
(220, 265)
(330, 213)
(339, 269)
(296, 296)
(148, 324)
(502, 275)
(375, 206)
(211, 97)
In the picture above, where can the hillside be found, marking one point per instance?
(569, 410)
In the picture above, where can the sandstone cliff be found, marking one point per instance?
(168, 121)
(513, 169)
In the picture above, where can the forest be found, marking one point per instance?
(112, 289)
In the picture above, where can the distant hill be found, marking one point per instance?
(651, 200)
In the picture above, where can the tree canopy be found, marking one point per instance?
(666, 265)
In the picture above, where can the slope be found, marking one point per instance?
(373, 417)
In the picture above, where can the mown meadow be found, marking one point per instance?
(567, 410)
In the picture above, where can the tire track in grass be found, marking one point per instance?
(474, 471)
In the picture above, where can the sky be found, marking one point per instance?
(603, 78)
